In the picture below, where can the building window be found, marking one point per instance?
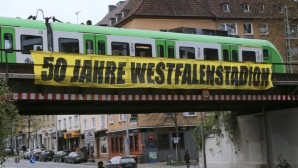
(70, 122)
(69, 45)
(120, 117)
(262, 8)
(281, 9)
(231, 28)
(248, 30)
(59, 125)
(103, 121)
(64, 123)
(111, 118)
(189, 114)
(85, 124)
(29, 42)
(294, 31)
(187, 52)
(225, 7)
(264, 29)
(246, 8)
(103, 145)
(124, 117)
(93, 122)
(133, 146)
(76, 120)
(163, 141)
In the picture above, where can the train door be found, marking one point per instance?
(160, 48)
(95, 44)
(165, 49)
(8, 42)
(171, 49)
(230, 53)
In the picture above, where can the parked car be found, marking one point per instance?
(46, 155)
(118, 161)
(9, 151)
(60, 156)
(28, 153)
(76, 157)
(36, 153)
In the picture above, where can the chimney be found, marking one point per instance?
(111, 7)
(89, 22)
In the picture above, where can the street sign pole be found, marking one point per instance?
(127, 138)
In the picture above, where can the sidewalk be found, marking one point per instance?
(145, 165)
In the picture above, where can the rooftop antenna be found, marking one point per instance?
(77, 13)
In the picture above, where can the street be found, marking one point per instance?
(10, 163)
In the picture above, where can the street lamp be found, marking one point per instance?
(77, 13)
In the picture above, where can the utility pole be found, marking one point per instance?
(288, 41)
(77, 13)
(127, 138)
(203, 143)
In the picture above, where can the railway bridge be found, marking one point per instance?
(34, 99)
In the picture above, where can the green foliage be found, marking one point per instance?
(8, 114)
(222, 121)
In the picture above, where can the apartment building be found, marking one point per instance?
(68, 127)
(244, 18)
(98, 125)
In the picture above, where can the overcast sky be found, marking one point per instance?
(63, 10)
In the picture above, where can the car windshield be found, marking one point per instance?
(127, 160)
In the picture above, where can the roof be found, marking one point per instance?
(196, 9)
(25, 23)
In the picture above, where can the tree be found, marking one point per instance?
(217, 123)
(8, 114)
(174, 119)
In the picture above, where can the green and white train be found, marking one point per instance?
(25, 35)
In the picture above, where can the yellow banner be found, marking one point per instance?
(98, 71)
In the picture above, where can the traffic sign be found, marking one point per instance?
(17, 160)
(89, 136)
(32, 160)
(127, 141)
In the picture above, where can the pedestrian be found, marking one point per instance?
(100, 164)
(186, 158)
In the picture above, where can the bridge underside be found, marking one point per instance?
(33, 107)
(43, 99)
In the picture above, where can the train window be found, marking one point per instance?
(171, 52)
(160, 51)
(226, 55)
(210, 54)
(101, 47)
(89, 47)
(234, 55)
(8, 45)
(249, 56)
(28, 42)
(119, 48)
(187, 52)
(265, 54)
(69, 45)
(143, 50)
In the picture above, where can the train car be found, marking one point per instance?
(26, 35)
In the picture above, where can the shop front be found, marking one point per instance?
(72, 140)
